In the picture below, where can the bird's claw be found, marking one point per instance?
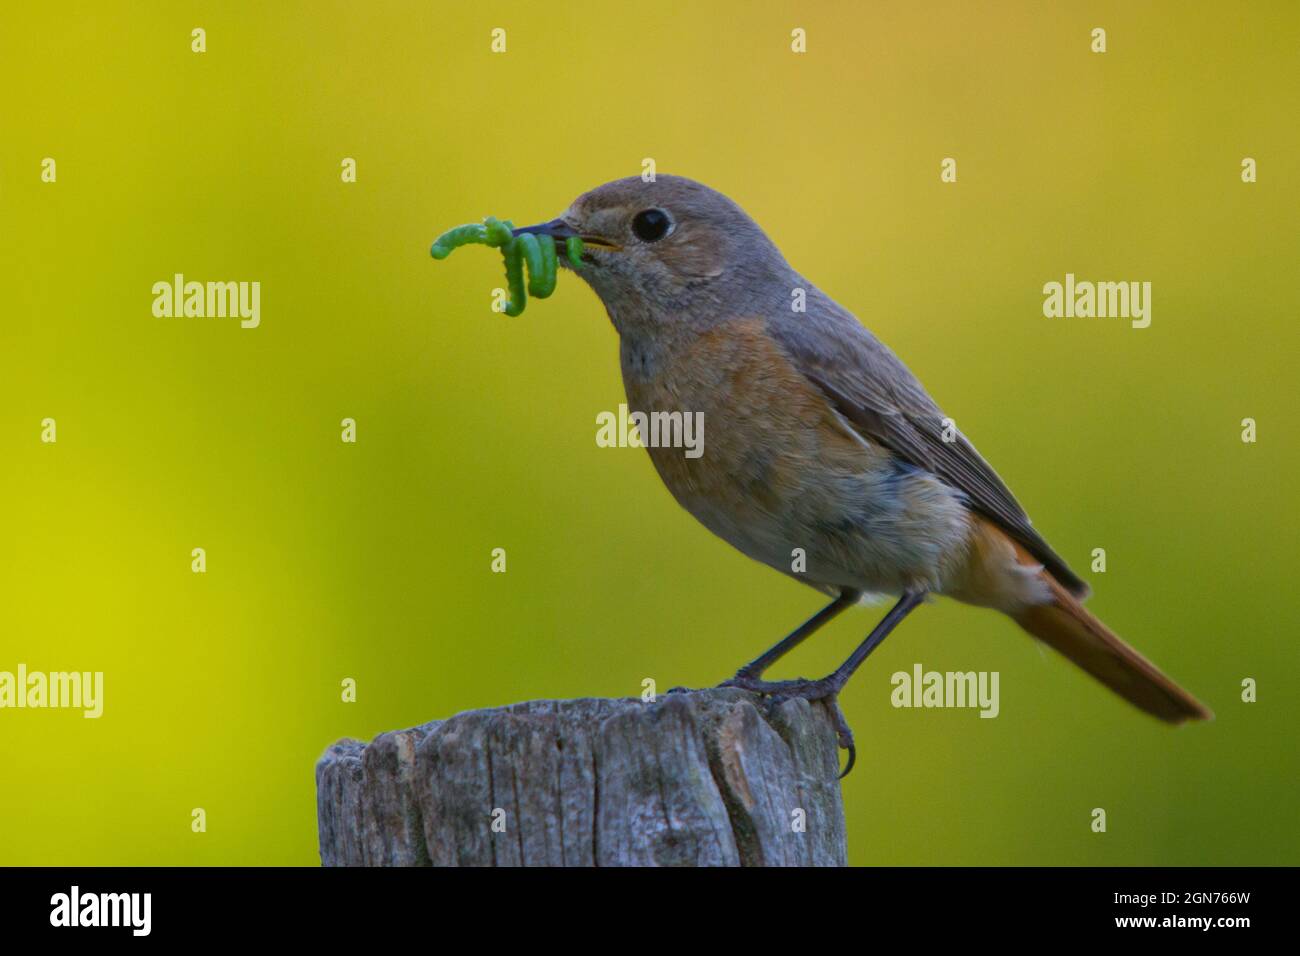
(778, 692)
(844, 733)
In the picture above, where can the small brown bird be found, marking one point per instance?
(818, 438)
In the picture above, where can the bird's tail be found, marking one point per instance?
(1069, 627)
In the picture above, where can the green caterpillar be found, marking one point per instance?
(537, 252)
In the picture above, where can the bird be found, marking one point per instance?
(819, 441)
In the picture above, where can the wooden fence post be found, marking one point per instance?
(698, 778)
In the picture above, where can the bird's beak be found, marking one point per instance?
(560, 230)
(556, 229)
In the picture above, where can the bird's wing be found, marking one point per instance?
(886, 403)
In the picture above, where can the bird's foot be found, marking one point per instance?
(771, 688)
(826, 689)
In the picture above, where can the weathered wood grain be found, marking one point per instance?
(699, 778)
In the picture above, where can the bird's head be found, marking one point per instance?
(665, 251)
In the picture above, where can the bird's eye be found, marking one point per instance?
(651, 225)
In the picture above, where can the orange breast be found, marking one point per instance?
(781, 471)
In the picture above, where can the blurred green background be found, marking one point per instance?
(475, 431)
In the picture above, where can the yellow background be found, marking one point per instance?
(371, 561)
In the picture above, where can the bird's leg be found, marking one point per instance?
(748, 677)
(833, 683)
(828, 687)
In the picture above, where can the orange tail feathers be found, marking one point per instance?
(1071, 629)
